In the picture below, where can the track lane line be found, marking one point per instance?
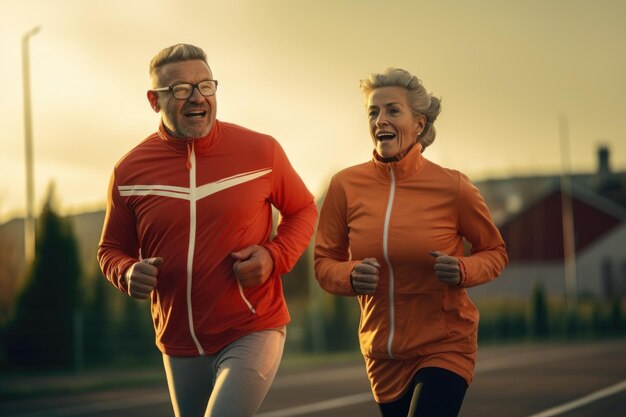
(320, 406)
(587, 399)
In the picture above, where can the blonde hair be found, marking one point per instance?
(420, 101)
(175, 53)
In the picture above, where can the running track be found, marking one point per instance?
(566, 379)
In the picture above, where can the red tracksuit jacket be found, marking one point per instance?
(193, 203)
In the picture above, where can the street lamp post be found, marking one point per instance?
(29, 220)
(567, 216)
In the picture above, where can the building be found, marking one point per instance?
(529, 212)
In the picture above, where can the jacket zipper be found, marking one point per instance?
(392, 193)
(191, 165)
(245, 300)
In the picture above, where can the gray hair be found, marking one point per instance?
(175, 53)
(420, 101)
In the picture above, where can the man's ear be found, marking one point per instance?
(153, 98)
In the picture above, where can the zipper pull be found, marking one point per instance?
(189, 146)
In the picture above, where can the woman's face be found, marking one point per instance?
(393, 126)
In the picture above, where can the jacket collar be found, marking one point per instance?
(200, 145)
(411, 164)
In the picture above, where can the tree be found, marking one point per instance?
(41, 333)
(99, 318)
(135, 334)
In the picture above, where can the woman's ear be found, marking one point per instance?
(420, 123)
(153, 98)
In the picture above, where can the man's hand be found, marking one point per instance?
(141, 277)
(447, 268)
(364, 276)
(253, 265)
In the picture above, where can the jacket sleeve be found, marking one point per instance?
(298, 213)
(488, 253)
(332, 248)
(118, 248)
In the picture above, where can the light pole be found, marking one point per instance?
(29, 220)
(567, 216)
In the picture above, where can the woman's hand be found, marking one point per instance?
(447, 268)
(364, 276)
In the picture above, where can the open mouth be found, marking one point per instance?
(195, 114)
(383, 136)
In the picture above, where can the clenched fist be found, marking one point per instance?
(253, 265)
(364, 276)
(447, 268)
(141, 277)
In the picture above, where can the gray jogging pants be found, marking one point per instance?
(232, 382)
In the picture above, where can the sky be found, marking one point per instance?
(506, 72)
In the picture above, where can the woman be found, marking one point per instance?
(392, 231)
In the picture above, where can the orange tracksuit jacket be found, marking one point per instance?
(398, 212)
(193, 203)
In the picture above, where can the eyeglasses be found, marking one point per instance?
(183, 91)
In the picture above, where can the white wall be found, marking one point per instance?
(611, 248)
(518, 281)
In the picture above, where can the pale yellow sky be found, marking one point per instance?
(505, 70)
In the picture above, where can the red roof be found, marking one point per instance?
(536, 232)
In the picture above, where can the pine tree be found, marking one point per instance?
(99, 318)
(41, 333)
(135, 333)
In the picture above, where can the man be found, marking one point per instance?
(188, 224)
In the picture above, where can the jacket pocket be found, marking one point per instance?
(419, 321)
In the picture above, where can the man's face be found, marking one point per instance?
(189, 118)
